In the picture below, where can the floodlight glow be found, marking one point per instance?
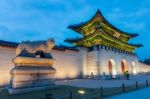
(82, 92)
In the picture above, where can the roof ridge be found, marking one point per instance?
(98, 12)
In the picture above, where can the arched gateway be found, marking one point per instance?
(112, 67)
(124, 66)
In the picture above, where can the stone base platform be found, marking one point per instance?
(31, 74)
(25, 90)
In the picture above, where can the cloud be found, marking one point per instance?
(42, 19)
(131, 21)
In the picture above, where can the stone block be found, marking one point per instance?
(32, 77)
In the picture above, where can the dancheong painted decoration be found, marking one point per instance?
(98, 31)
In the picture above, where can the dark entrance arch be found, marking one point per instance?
(110, 67)
(124, 66)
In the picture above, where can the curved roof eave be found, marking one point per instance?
(76, 26)
(81, 39)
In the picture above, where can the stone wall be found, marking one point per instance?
(6, 56)
(144, 68)
(92, 63)
(116, 58)
(70, 64)
(67, 64)
(98, 60)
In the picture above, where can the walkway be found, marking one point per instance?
(139, 94)
(90, 83)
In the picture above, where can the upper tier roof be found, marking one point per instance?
(99, 14)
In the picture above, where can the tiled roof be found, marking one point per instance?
(91, 35)
(62, 47)
(9, 44)
(75, 26)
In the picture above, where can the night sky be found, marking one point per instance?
(22, 20)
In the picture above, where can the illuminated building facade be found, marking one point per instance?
(105, 48)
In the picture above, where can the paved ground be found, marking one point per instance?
(139, 94)
(90, 83)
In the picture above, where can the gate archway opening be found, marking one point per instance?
(124, 66)
(112, 67)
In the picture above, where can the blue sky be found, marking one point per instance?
(22, 20)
